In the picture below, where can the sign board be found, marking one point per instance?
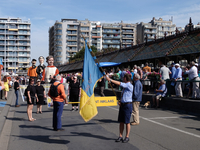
(106, 101)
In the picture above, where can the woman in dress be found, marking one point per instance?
(40, 91)
(5, 80)
(145, 81)
(31, 92)
(74, 92)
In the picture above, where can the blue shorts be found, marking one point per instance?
(125, 112)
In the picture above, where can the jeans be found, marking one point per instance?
(57, 113)
(17, 94)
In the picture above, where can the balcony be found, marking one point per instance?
(94, 41)
(111, 27)
(111, 42)
(127, 32)
(111, 37)
(112, 32)
(85, 24)
(127, 37)
(72, 28)
(72, 33)
(85, 35)
(72, 50)
(72, 44)
(71, 39)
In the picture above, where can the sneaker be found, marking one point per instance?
(119, 139)
(72, 109)
(126, 140)
(76, 109)
(134, 123)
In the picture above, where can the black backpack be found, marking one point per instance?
(25, 92)
(54, 90)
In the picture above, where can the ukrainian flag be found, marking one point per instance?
(91, 74)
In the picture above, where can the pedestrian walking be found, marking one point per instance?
(74, 93)
(31, 96)
(126, 107)
(16, 87)
(57, 93)
(40, 91)
(6, 89)
(137, 98)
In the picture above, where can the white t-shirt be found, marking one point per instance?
(164, 71)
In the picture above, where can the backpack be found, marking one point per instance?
(54, 90)
(25, 92)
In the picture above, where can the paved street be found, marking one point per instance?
(158, 130)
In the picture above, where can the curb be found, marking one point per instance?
(5, 110)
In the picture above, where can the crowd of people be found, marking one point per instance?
(179, 78)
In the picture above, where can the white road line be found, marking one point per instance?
(192, 134)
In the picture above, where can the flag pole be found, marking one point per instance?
(100, 66)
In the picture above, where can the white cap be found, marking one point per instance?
(196, 64)
(75, 77)
(177, 64)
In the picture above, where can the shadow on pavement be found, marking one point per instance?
(80, 124)
(193, 128)
(45, 139)
(16, 119)
(90, 135)
(35, 126)
(107, 121)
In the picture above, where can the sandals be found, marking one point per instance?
(33, 119)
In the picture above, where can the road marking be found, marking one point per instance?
(192, 134)
(172, 117)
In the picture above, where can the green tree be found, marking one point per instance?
(80, 55)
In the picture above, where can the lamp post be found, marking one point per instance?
(5, 51)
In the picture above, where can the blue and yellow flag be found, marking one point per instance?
(91, 74)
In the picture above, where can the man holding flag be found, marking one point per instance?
(91, 74)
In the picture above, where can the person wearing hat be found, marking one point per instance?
(193, 73)
(40, 91)
(16, 87)
(178, 77)
(74, 92)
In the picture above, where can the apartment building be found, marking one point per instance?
(156, 28)
(15, 45)
(66, 37)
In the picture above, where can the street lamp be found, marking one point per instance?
(5, 51)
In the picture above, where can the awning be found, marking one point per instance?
(108, 64)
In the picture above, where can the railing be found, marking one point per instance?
(72, 39)
(109, 42)
(111, 31)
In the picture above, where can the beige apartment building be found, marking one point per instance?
(66, 37)
(15, 45)
(156, 28)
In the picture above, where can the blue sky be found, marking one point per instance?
(44, 13)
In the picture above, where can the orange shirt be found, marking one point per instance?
(32, 72)
(61, 92)
(147, 68)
